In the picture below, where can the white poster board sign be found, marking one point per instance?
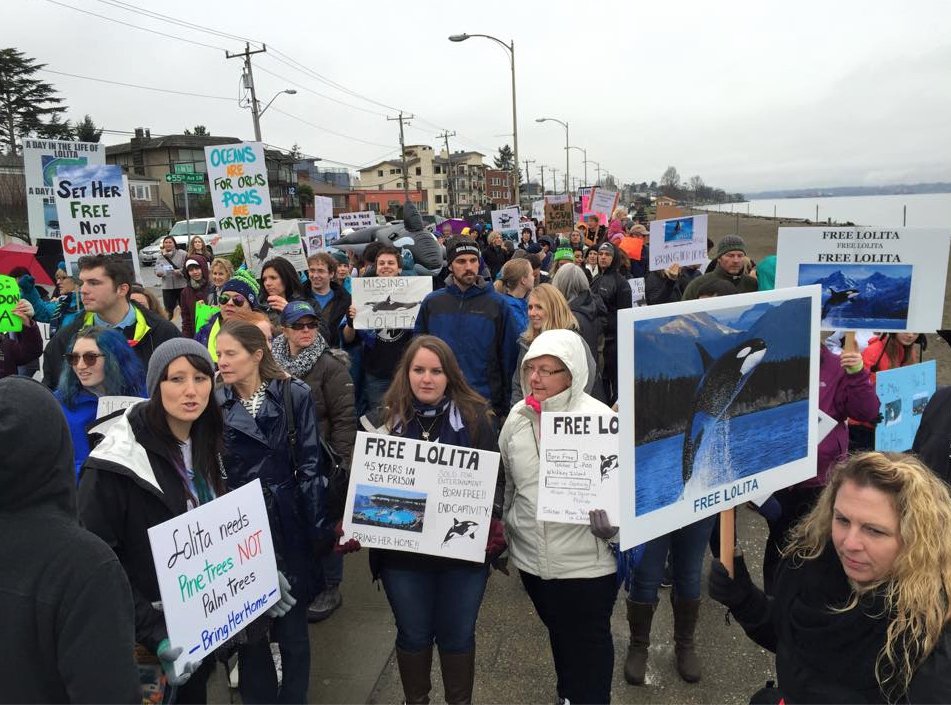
(323, 210)
(41, 159)
(538, 210)
(603, 201)
(680, 241)
(95, 214)
(388, 302)
(578, 467)
(638, 291)
(110, 405)
(719, 402)
(241, 198)
(286, 242)
(421, 497)
(216, 570)
(358, 220)
(874, 279)
(507, 221)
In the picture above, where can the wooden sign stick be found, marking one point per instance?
(727, 539)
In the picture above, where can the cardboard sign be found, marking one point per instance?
(718, 403)
(904, 392)
(358, 220)
(680, 241)
(237, 177)
(95, 214)
(204, 313)
(421, 497)
(874, 279)
(559, 215)
(9, 298)
(110, 405)
(216, 570)
(507, 221)
(388, 302)
(578, 467)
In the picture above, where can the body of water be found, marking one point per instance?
(924, 210)
(739, 447)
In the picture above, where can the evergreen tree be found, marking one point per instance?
(505, 158)
(28, 105)
(198, 131)
(86, 130)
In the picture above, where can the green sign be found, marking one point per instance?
(9, 298)
(203, 314)
(184, 168)
(185, 178)
(195, 188)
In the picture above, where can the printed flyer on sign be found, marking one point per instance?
(680, 241)
(216, 570)
(578, 467)
(95, 214)
(719, 401)
(388, 302)
(41, 159)
(287, 242)
(874, 279)
(506, 222)
(903, 392)
(237, 176)
(420, 497)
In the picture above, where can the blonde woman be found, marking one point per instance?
(221, 271)
(861, 600)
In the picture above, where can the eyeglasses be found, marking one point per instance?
(543, 373)
(302, 326)
(236, 299)
(88, 358)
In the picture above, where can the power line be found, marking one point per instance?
(324, 129)
(322, 95)
(174, 20)
(135, 85)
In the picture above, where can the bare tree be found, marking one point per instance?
(670, 182)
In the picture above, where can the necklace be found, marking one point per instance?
(428, 431)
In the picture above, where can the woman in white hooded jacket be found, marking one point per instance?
(568, 570)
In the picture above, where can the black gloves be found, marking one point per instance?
(746, 601)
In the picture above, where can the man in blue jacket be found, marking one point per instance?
(474, 321)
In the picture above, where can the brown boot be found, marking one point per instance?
(639, 617)
(415, 671)
(686, 613)
(458, 675)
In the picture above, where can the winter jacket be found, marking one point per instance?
(258, 447)
(148, 332)
(19, 349)
(65, 603)
(659, 289)
(744, 283)
(478, 327)
(519, 393)
(79, 418)
(333, 314)
(549, 550)
(191, 295)
(494, 258)
(58, 312)
(824, 656)
(518, 310)
(615, 292)
(174, 278)
(933, 440)
(591, 314)
(128, 484)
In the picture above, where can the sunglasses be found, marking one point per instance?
(88, 358)
(236, 299)
(302, 326)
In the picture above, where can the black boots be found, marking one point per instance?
(639, 617)
(415, 669)
(686, 613)
(458, 675)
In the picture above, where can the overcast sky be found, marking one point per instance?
(749, 95)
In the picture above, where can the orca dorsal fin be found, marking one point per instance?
(706, 357)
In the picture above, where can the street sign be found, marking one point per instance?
(185, 178)
(184, 168)
(195, 188)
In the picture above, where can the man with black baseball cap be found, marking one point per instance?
(474, 321)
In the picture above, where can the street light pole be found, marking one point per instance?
(511, 50)
(289, 91)
(597, 167)
(567, 146)
(584, 153)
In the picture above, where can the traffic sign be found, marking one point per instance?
(184, 168)
(195, 188)
(185, 178)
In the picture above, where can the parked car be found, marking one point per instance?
(183, 231)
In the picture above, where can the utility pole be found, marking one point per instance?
(248, 79)
(445, 136)
(518, 196)
(542, 167)
(554, 182)
(403, 152)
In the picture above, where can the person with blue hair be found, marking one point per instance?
(100, 364)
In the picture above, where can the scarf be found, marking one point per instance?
(304, 362)
(448, 429)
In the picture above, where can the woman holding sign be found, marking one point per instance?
(863, 596)
(170, 268)
(155, 463)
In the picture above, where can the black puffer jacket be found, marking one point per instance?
(659, 289)
(591, 314)
(614, 291)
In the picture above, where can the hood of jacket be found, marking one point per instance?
(38, 465)
(588, 304)
(567, 346)
(122, 446)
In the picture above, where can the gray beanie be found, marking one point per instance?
(168, 351)
(729, 243)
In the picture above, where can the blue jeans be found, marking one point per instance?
(441, 605)
(687, 547)
(257, 680)
(373, 390)
(332, 568)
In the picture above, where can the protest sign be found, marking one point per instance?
(358, 220)
(95, 214)
(421, 497)
(110, 405)
(559, 215)
(204, 313)
(578, 467)
(718, 404)
(603, 202)
(506, 222)
(287, 242)
(313, 238)
(332, 232)
(9, 298)
(538, 210)
(875, 279)
(216, 570)
(41, 159)
(680, 241)
(637, 291)
(323, 210)
(388, 302)
(903, 392)
(237, 176)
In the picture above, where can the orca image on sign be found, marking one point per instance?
(460, 529)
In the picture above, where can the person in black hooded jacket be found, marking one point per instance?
(65, 602)
(615, 292)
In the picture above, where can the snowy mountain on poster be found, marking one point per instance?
(855, 293)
